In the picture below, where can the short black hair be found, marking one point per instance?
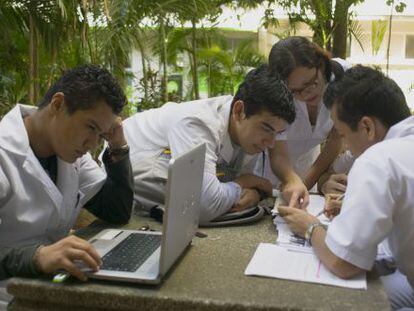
(261, 92)
(364, 91)
(84, 86)
(288, 54)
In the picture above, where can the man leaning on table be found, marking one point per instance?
(236, 129)
(370, 112)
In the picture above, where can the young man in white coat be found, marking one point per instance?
(47, 174)
(236, 130)
(370, 112)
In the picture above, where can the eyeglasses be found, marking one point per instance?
(308, 86)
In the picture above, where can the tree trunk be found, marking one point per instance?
(389, 37)
(194, 60)
(84, 32)
(33, 67)
(164, 61)
(340, 29)
(144, 70)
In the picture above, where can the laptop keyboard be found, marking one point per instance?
(131, 253)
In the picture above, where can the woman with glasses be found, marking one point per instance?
(297, 159)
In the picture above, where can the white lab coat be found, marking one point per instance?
(32, 208)
(179, 127)
(303, 140)
(378, 204)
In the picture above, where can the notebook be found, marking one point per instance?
(145, 256)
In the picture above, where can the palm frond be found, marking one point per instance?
(355, 30)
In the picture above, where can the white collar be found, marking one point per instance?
(11, 127)
(401, 129)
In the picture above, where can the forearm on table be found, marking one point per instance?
(217, 198)
(336, 265)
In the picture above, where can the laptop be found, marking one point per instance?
(146, 256)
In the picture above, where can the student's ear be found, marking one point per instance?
(238, 110)
(369, 127)
(57, 103)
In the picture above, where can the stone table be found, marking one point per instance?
(210, 276)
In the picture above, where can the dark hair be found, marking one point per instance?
(262, 92)
(293, 52)
(364, 91)
(84, 87)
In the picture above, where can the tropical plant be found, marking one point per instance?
(224, 68)
(356, 31)
(328, 19)
(379, 28)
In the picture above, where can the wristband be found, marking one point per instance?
(311, 228)
(119, 151)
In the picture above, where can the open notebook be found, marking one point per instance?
(291, 258)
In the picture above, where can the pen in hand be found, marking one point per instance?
(324, 210)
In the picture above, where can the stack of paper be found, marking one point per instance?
(292, 258)
(286, 237)
(275, 261)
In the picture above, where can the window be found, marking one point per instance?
(409, 46)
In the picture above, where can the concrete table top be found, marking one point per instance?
(210, 276)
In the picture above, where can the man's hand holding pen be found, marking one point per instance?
(333, 204)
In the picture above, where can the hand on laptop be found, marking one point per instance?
(62, 254)
(248, 198)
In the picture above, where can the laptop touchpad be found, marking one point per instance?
(110, 234)
(105, 240)
(101, 245)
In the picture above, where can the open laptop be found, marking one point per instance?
(145, 256)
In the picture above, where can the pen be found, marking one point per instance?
(340, 198)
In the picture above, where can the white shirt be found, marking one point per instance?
(179, 127)
(303, 138)
(379, 204)
(32, 208)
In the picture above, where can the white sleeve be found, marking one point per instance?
(217, 198)
(366, 215)
(188, 133)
